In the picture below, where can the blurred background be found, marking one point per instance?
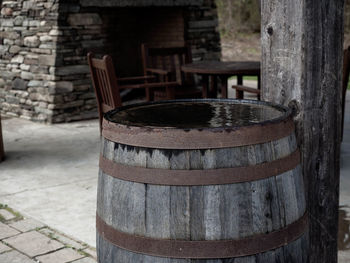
(239, 25)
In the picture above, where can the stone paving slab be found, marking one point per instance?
(63, 239)
(33, 243)
(14, 257)
(27, 224)
(85, 260)
(62, 255)
(343, 256)
(91, 252)
(6, 214)
(4, 248)
(6, 231)
(41, 245)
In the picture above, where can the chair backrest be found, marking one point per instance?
(170, 59)
(105, 84)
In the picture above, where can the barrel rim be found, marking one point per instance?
(199, 138)
(287, 113)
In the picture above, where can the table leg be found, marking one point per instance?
(239, 80)
(259, 95)
(213, 86)
(205, 85)
(224, 86)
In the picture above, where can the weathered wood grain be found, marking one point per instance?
(180, 212)
(198, 159)
(158, 211)
(265, 209)
(212, 212)
(301, 67)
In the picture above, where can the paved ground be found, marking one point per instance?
(50, 175)
(25, 240)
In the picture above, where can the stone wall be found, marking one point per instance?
(27, 51)
(202, 31)
(43, 45)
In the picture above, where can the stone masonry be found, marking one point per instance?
(43, 45)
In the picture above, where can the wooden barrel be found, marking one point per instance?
(2, 154)
(200, 181)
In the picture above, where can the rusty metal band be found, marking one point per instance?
(163, 138)
(203, 249)
(200, 177)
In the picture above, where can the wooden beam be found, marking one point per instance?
(302, 43)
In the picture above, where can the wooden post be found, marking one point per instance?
(302, 43)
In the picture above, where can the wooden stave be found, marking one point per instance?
(220, 193)
(108, 150)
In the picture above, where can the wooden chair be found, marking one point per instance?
(240, 89)
(107, 86)
(345, 81)
(166, 62)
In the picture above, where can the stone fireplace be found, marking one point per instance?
(43, 45)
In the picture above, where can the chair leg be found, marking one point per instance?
(149, 94)
(170, 93)
(213, 87)
(205, 86)
(239, 94)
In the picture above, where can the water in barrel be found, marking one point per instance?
(184, 115)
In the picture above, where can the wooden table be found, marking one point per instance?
(2, 154)
(223, 70)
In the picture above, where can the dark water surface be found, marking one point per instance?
(196, 114)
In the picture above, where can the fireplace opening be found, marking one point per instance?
(127, 28)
